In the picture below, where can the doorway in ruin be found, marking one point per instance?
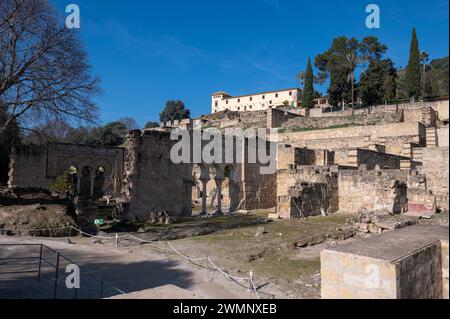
(85, 182)
(230, 190)
(99, 182)
(72, 171)
(197, 185)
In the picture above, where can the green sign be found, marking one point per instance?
(99, 221)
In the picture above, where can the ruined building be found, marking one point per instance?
(389, 158)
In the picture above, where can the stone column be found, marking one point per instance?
(92, 185)
(204, 208)
(78, 184)
(219, 196)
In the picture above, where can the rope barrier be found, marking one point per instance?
(191, 259)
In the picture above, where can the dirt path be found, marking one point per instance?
(135, 269)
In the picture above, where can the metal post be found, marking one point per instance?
(101, 289)
(56, 277)
(250, 288)
(40, 264)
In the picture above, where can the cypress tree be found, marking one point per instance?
(308, 89)
(412, 76)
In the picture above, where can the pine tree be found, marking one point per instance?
(308, 89)
(412, 76)
(389, 81)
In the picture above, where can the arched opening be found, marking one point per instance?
(99, 182)
(197, 186)
(73, 175)
(230, 190)
(211, 188)
(200, 189)
(85, 182)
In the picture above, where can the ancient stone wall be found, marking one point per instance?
(445, 269)
(152, 181)
(28, 167)
(436, 169)
(371, 133)
(276, 117)
(443, 136)
(369, 158)
(39, 166)
(289, 157)
(300, 123)
(405, 264)
(383, 190)
(312, 189)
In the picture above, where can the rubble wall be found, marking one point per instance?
(436, 168)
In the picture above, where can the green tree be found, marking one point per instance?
(371, 84)
(428, 87)
(439, 74)
(152, 124)
(308, 87)
(64, 183)
(340, 63)
(412, 75)
(174, 110)
(378, 83)
(389, 81)
(424, 59)
(112, 134)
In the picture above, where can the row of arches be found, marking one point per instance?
(215, 190)
(89, 182)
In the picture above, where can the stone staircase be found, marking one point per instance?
(417, 154)
(431, 137)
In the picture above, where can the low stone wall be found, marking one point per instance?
(436, 168)
(254, 119)
(299, 123)
(276, 117)
(369, 158)
(441, 108)
(443, 136)
(404, 264)
(39, 166)
(28, 167)
(370, 133)
(312, 189)
(373, 190)
(445, 269)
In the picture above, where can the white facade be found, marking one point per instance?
(255, 102)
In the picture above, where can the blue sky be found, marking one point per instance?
(147, 52)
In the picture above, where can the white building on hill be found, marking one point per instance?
(255, 102)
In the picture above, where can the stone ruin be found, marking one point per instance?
(388, 159)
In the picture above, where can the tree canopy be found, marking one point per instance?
(174, 110)
(308, 88)
(412, 75)
(44, 73)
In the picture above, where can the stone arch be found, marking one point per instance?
(85, 186)
(230, 189)
(99, 182)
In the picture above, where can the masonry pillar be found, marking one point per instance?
(204, 184)
(78, 184)
(219, 196)
(92, 185)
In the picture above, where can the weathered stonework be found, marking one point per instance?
(405, 264)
